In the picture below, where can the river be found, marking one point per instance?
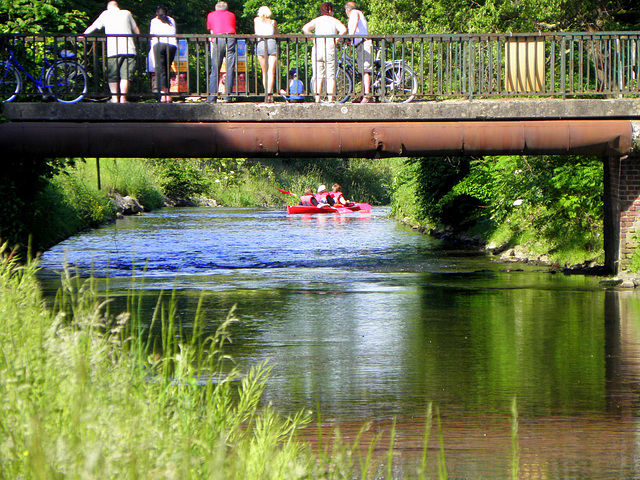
(371, 321)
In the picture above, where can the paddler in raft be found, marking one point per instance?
(323, 197)
(308, 199)
(336, 195)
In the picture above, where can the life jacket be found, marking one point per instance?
(306, 200)
(336, 196)
(322, 197)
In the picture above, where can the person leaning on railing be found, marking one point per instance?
(163, 48)
(357, 25)
(121, 50)
(324, 49)
(222, 22)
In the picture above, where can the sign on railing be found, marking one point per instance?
(407, 68)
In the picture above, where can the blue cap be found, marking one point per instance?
(293, 71)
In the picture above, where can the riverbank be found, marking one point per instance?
(518, 254)
(541, 209)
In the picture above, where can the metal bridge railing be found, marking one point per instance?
(408, 68)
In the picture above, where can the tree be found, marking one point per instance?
(502, 16)
(40, 16)
(21, 181)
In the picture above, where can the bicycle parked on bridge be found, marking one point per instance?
(62, 78)
(398, 79)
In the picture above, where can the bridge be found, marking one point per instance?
(556, 94)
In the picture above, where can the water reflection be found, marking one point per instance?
(372, 321)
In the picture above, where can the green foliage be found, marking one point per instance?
(389, 18)
(291, 15)
(64, 207)
(422, 183)
(362, 180)
(551, 204)
(86, 396)
(22, 180)
(40, 16)
(181, 178)
(634, 264)
(398, 17)
(252, 182)
(559, 198)
(501, 16)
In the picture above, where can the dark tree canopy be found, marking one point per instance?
(398, 17)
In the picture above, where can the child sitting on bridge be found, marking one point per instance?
(296, 88)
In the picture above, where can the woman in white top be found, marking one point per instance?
(267, 50)
(163, 46)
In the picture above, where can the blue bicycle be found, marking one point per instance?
(62, 78)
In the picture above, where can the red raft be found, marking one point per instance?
(356, 207)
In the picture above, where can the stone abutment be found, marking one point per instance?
(622, 211)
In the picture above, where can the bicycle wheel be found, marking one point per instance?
(67, 81)
(344, 85)
(10, 82)
(400, 83)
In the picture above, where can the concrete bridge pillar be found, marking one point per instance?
(622, 211)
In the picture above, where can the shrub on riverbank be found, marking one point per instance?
(253, 182)
(71, 201)
(22, 182)
(549, 205)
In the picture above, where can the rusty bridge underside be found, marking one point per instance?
(152, 130)
(316, 139)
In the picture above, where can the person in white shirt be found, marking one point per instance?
(163, 47)
(357, 25)
(121, 50)
(324, 49)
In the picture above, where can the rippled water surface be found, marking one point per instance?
(369, 320)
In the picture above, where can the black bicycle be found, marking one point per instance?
(63, 78)
(398, 79)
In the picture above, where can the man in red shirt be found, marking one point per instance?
(222, 22)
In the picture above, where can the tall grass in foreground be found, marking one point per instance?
(84, 395)
(87, 393)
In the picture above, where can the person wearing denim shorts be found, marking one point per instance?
(121, 50)
(267, 49)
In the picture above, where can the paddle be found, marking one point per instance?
(288, 193)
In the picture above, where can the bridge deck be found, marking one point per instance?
(449, 110)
